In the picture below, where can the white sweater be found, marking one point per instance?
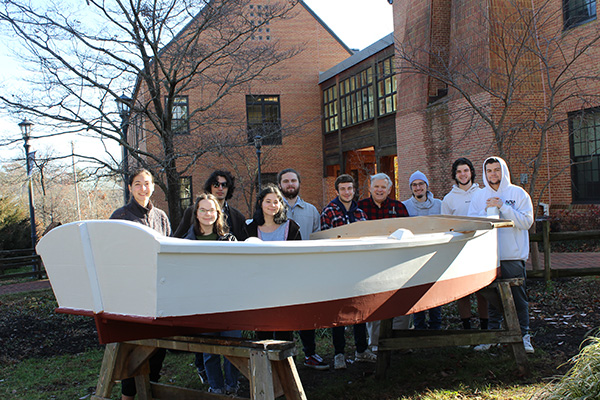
(457, 201)
(513, 243)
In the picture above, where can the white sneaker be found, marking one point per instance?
(365, 356)
(339, 361)
(482, 347)
(527, 344)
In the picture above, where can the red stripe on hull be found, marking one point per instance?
(118, 328)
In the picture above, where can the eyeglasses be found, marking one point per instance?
(205, 211)
(221, 184)
(418, 184)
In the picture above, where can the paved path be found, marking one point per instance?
(559, 261)
(570, 260)
(25, 286)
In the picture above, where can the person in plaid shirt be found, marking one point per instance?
(379, 206)
(343, 209)
(340, 211)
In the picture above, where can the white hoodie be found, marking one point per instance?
(457, 201)
(513, 243)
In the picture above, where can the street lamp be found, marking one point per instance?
(25, 126)
(258, 145)
(124, 107)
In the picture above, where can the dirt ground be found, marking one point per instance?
(562, 314)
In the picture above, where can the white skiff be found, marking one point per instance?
(138, 284)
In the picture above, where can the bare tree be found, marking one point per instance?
(514, 74)
(85, 55)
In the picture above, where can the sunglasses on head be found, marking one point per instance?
(221, 184)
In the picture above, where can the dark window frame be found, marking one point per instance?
(578, 12)
(330, 109)
(185, 121)
(269, 126)
(357, 101)
(387, 87)
(584, 140)
(185, 202)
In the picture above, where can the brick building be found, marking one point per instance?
(283, 106)
(523, 67)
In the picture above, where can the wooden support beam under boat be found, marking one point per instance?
(498, 293)
(268, 365)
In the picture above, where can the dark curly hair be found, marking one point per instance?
(281, 215)
(213, 179)
(463, 161)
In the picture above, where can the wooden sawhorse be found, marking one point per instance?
(498, 293)
(268, 365)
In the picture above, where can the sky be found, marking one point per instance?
(358, 23)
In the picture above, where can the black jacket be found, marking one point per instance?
(235, 220)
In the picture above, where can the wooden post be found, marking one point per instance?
(546, 242)
(384, 357)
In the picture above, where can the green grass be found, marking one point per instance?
(426, 374)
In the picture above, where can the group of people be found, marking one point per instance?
(281, 214)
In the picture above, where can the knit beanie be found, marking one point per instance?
(418, 175)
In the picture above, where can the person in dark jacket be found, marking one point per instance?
(209, 224)
(270, 223)
(220, 184)
(141, 210)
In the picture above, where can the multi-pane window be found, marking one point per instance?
(135, 130)
(330, 109)
(576, 12)
(264, 119)
(356, 98)
(585, 155)
(386, 86)
(185, 192)
(180, 123)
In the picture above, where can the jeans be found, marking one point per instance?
(513, 269)
(435, 318)
(214, 372)
(360, 338)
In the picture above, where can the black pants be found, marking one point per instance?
(155, 361)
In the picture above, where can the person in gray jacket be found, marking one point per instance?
(421, 203)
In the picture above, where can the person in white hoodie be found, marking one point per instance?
(500, 197)
(457, 202)
(421, 203)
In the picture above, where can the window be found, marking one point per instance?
(330, 109)
(577, 12)
(185, 192)
(264, 119)
(180, 123)
(135, 130)
(386, 86)
(585, 154)
(356, 98)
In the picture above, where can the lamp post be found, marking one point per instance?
(123, 107)
(25, 126)
(258, 145)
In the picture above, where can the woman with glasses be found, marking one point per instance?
(270, 223)
(208, 223)
(141, 210)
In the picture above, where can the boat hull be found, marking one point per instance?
(138, 284)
